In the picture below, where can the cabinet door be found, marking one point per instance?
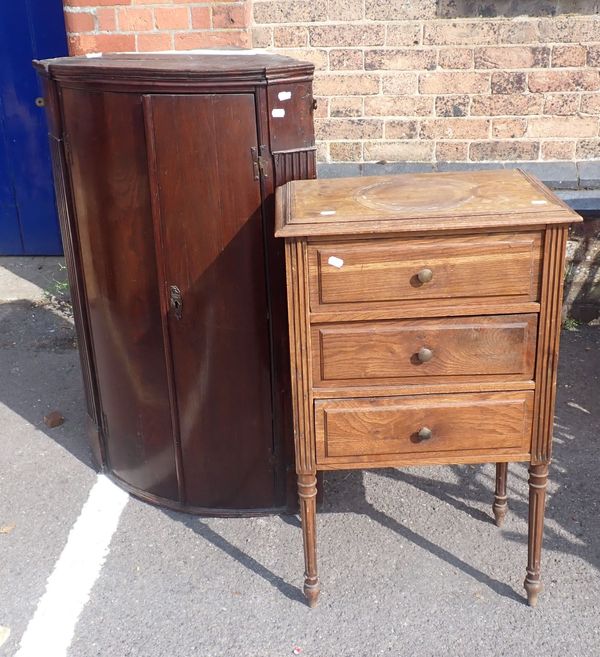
(208, 226)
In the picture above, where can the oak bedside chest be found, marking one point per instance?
(424, 318)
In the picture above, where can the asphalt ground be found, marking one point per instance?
(410, 560)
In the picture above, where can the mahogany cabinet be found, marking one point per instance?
(165, 168)
(424, 324)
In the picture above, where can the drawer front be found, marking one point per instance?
(459, 349)
(377, 273)
(459, 427)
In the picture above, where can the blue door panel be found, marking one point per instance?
(29, 29)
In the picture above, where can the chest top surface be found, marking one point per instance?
(419, 202)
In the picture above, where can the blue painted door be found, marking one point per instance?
(29, 29)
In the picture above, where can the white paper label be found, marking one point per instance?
(334, 261)
(278, 113)
(327, 213)
(536, 202)
(284, 95)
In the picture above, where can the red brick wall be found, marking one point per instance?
(398, 80)
(145, 25)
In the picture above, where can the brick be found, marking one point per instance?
(407, 59)
(564, 126)
(207, 39)
(593, 56)
(352, 35)
(571, 29)
(404, 34)
(262, 37)
(94, 3)
(585, 80)
(346, 85)
(322, 151)
(290, 36)
(561, 104)
(84, 43)
(399, 10)
(455, 128)
(519, 31)
(399, 83)
(345, 10)
(331, 129)
(316, 56)
(451, 151)
(590, 103)
(348, 59)
(133, 19)
(450, 33)
(401, 129)
(394, 151)
(568, 56)
(508, 128)
(512, 57)
(508, 105)
(345, 151)
(558, 150)
(398, 106)
(290, 11)
(588, 149)
(200, 18)
(448, 82)
(491, 151)
(322, 109)
(171, 18)
(452, 105)
(230, 16)
(154, 42)
(509, 82)
(346, 106)
(107, 19)
(460, 58)
(80, 21)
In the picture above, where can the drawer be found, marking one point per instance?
(383, 272)
(458, 349)
(425, 428)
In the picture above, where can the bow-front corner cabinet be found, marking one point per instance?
(424, 315)
(165, 169)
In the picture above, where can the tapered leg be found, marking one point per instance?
(307, 492)
(538, 479)
(500, 505)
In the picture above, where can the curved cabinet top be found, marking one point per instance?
(196, 68)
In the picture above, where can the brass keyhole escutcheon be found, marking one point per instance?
(176, 301)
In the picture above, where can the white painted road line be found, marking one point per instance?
(50, 631)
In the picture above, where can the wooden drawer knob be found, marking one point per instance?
(424, 354)
(425, 275)
(425, 433)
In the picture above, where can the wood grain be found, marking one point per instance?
(469, 423)
(380, 273)
(548, 343)
(479, 348)
(421, 202)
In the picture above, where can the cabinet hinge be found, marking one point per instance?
(259, 162)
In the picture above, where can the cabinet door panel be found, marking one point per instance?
(109, 175)
(207, 212)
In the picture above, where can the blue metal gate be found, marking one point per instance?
(29, 29)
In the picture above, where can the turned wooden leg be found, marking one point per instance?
(500, 505)
(307, 492)
(538, 479)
